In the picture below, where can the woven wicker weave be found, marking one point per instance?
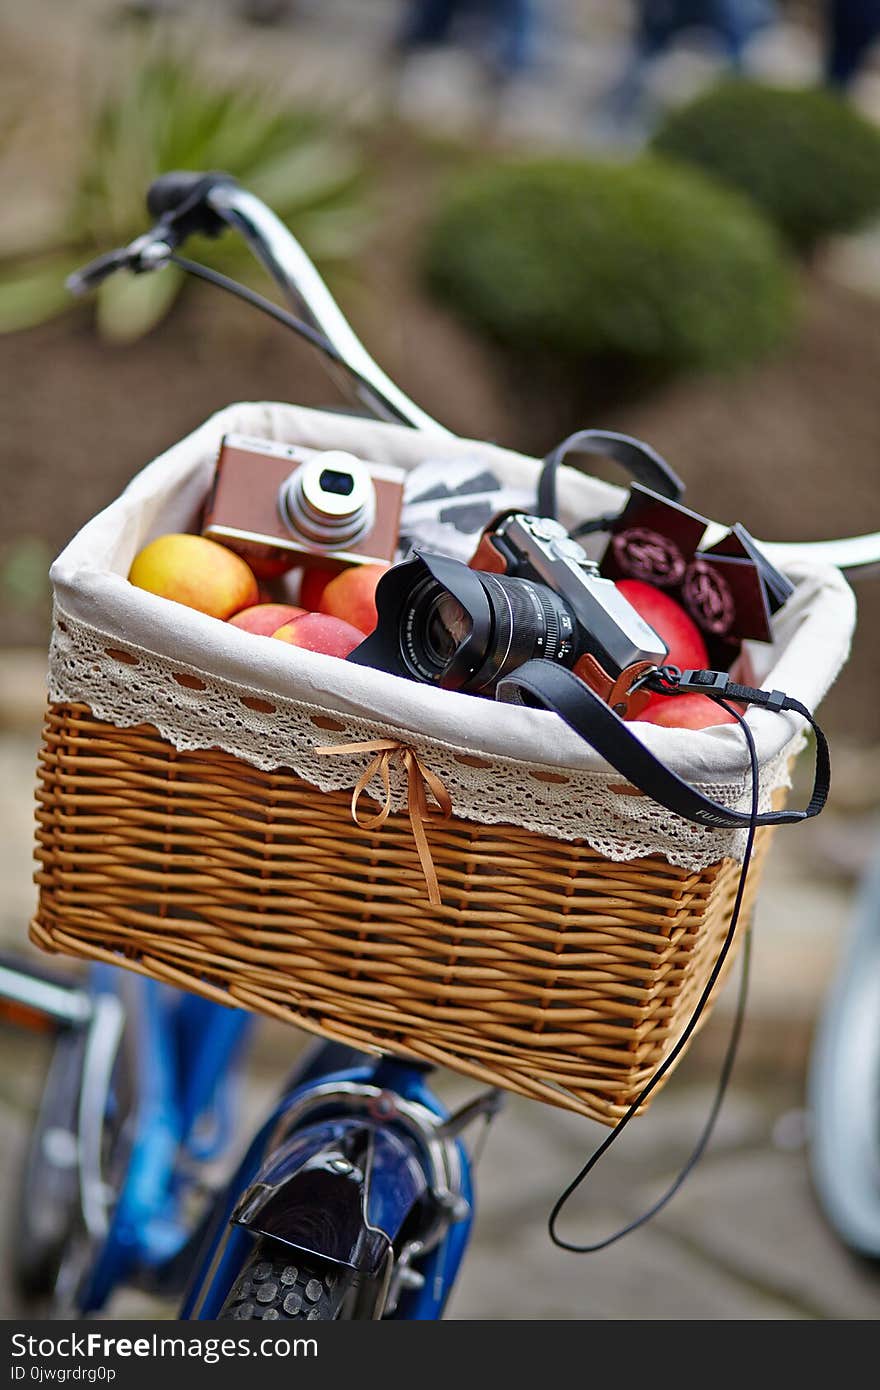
(548, 970)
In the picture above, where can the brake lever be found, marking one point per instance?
(90, 276)
(150, 251)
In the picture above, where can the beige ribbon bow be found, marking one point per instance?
(419, 780)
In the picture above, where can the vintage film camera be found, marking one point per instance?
(280, 505)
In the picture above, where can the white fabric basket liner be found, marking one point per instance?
(188, 674)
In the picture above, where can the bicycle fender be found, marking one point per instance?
(341, 1189)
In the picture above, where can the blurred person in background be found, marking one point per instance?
(731, 24)
(853, 29)
(510, 25)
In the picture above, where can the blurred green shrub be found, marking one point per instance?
(159, 114)
(644, 264)
(24, 575)
(808, 160)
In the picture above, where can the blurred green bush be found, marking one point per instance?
(160, 113)
(808, 160)
(645, 264)
(24, 575)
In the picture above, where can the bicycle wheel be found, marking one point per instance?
(278, 1282)
(845, 1087)
(48, 1197)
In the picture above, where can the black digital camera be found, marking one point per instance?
(529, 591)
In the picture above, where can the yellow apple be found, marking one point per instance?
(196, 572)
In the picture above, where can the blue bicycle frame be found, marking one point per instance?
(400, 1221)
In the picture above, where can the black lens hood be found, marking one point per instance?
(382, 650)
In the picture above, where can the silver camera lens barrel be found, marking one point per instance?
(329, 501)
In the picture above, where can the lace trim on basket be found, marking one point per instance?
(126, 685)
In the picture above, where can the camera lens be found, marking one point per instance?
(342, 484)
(441, 642)
(329, 502)
(448, 625)
(433, 627)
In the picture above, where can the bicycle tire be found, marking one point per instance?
(280, 1283)
(845, 1087)
(48, 1194)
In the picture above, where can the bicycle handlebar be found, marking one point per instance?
(190, 202)
(275, 246)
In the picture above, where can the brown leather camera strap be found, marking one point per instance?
(626, 696)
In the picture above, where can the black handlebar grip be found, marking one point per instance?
(179, 199)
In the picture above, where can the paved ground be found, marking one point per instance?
(742, 1241)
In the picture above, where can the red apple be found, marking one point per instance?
(268, 566)
(266, 618)
(687, 649)
(317, 632)
(352, 596)
(312, 585)
(688, 711)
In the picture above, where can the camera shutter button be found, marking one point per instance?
(545, 528)
(567, 549)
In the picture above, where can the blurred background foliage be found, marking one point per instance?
(642, 264)
(24, 575)
(808, 160)
(158, 112)
(626, 259)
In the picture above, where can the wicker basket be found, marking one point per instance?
(558, 967)
(548, 970)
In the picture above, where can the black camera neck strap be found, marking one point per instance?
(544, 684)
(554, 688)
(638, 459)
